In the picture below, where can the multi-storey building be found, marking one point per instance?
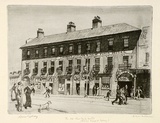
(74, 61)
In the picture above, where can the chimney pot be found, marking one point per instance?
(96, 22)
(71, 27)
(40, 33)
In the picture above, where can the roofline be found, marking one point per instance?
(136, 29)
(22, 47)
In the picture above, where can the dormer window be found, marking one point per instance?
(28, 53)
(61, 50)
(70, 48)
(79, 48)
(88, 47)
(98, 44)
(37, 53)
(45, 52)
(53, 51)
(126, 43)
(110, 44)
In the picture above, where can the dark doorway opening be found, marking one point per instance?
(87, 88)
(78, 88)
(68, 89)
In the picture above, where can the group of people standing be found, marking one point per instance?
(18, 92)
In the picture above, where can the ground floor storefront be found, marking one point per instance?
(99, 85)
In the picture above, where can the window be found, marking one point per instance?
(79, 64)
(70, 62)
(88, 47)
(79, 49)
(61, 65)
(125, 60)
(126, 43)
(87, 64)
(51, 70)
(61, 50)
(45, 52)
(44, 69)
(98, 46)
(110, 60)
(70, 48)
(37, 53)
(53, 51)
(147, 57)
(28, 53)
(45, 64)
(27, 65)
(110, 44)
(97, 64)
(35, 71)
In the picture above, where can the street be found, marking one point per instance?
(63, 104)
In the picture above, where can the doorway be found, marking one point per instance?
(68, 89)
(124, 83)
(78, 88)
(87, 87)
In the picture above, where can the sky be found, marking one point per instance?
(23, 22)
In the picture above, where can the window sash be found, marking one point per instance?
(126, 43)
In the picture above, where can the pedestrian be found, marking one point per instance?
(98, 90)
(13, 92)
(28, 91)
(126, 93)
(117, 96)
(94, 90)
(47, 92)
(19, 97)
(108, 94)
(138, 93)
(122, 96)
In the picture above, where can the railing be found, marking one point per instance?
(43, 71)
(51, 71)
(69, 70)
(26, 71)
(108, 69)
(35, 71)
(124, 66)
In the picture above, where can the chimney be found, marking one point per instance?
(96, 22)
(40, 33)
(71, 27)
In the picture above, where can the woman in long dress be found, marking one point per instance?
(27, 91)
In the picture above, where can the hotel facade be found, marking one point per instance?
(72, 63)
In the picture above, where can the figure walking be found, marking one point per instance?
(13, 92)
(28, 91)
(117, 96)
(19, 97)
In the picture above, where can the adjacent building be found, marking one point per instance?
(72, 63)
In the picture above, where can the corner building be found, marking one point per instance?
(74, 61)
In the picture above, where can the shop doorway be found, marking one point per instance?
(87, 88)
(68, 89)
(78, 88)
(124, 83)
